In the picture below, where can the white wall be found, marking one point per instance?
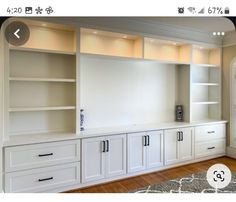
(131, 92)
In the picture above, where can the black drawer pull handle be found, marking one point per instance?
(211, 148)
(42, 155)
(209, 132)
(45, 179)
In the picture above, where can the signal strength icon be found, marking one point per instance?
(202, 11)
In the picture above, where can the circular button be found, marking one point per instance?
(219, 176)
(17, 33)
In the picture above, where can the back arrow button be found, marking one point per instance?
(16, 33)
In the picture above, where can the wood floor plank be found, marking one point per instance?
(126, 185)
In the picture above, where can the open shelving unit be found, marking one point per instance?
(206, 84)
(110, 43)
(206, 56)
(42, 82)
(195, 71)
(44, 89)
(164, 50)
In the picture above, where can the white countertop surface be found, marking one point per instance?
(51, 137)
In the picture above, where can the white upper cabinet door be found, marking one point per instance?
(186, 144)
(115, 155)
(155, 149)
(171, 146)
(136, 152)
(93, 159)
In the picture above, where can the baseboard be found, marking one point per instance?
(231, 152)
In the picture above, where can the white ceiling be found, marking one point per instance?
(202, 24)
(199, 24)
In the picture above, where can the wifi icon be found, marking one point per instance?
(192, 10)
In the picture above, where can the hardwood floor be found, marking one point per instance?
(128, 184)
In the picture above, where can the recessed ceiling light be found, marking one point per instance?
(125, 37)
(214, 33)
(222, 33)
(218, 33)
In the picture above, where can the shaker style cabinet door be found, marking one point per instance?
(103, 157)
(155, 149)
(179, 145)
(93, 158)
(186, 144)
(136, 152)
(171, 146)
(115, 155)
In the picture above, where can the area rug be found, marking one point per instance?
(195, 183)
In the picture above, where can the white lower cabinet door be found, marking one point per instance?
(115, 155)
(171, 146)
(186, 151)
(136, 152)
(93, 159)
(155, 149)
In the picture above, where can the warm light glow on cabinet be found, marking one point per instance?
(110, 43)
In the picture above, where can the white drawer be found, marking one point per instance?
(41, 155)
(210, 132)
(42, 179)
(210, 148)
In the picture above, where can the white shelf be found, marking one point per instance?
(206, 84)
(28, 109)
(205, 103)
(42, 79)
(42, 50)
(206, 65)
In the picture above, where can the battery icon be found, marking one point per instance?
(226, 10)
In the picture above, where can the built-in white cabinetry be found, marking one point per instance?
(124, 82)
(145, 150)
(103, 157)
(178, 145)
(210, 140)
(43, 179)
(39, 155)
(41, 167)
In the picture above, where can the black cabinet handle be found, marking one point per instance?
(148, 140)
(107, 141)
(42, 155)
(182, 135)
(103, 146)
(209, 132)
(45, 179)
(145, 140)
(211, 148)
(178, 136)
